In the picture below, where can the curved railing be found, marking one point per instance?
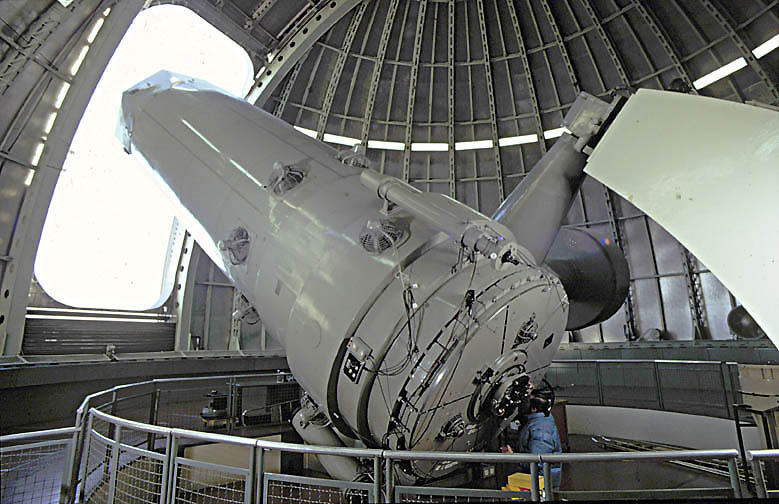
(128, 446)
(115, 469)
(705, 388)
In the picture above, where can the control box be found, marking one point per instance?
(357, 354)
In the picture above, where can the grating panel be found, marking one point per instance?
(295, 492)
(97, 476)
(33, 474)
(200, 485)
(138, 481)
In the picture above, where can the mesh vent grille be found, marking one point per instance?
(376, 237)
(285, 179)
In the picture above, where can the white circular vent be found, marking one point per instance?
(378, 236)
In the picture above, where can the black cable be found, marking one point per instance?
(386, 403)
(459, 357)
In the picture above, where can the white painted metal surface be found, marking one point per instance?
(412, 346)
(708, 171)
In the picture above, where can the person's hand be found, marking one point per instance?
(506, 449)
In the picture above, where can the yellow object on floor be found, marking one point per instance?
(521, 481)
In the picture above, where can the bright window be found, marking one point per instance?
(109, 240)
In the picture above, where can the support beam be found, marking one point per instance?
(392, 95)
(665, 41)
(623, 76)
(561, 44)
(36, 36)
(209, 297)
(450, 96)
(729, 26)
(356, 72)
(657, 275)
(544, 47)
(431, 89)
(580, 32)
(491, 96)
(472, 112)
(261, 8)
(309, 85)
(28, 55)
(234, 342)
(630, 327)
(184, 292)
(707, 45)
(694, 295)
(412, 87)
(294, 47)
(335, 76)
(284, 98)
(509, 83)
(531, 88)
(375, 77)
(216, 16)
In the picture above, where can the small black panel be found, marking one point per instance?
(352, 368)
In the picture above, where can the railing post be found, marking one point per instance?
(112, 412)
(165, 468)
(231, 404)
(170, 461)
(534, 494)
(376, 479)
(725, 402)
(251, 478)
(760, 486)
(72, 467)
(548, 496)
(114, 469)
(659, 385)
(388, 480)
(154, 399)
(67, 474)
(260, 475)
(82, 473)
(735, 407)
(598, 383)
(734, 481)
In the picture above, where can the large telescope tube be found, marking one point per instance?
(406, 329)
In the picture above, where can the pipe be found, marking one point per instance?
(474, 230)
(318, 432)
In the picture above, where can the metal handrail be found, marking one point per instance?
(144, 427)
(24, 436)
(495, 458)
(763, 454)
(755, 458)
(638, 361)
(555, 458)
(389, 456)
(430, 455)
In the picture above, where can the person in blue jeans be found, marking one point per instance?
(539, 435)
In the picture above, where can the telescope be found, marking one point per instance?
(411, 321)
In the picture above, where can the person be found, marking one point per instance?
(538, 435)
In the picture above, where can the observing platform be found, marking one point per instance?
(157, 440)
